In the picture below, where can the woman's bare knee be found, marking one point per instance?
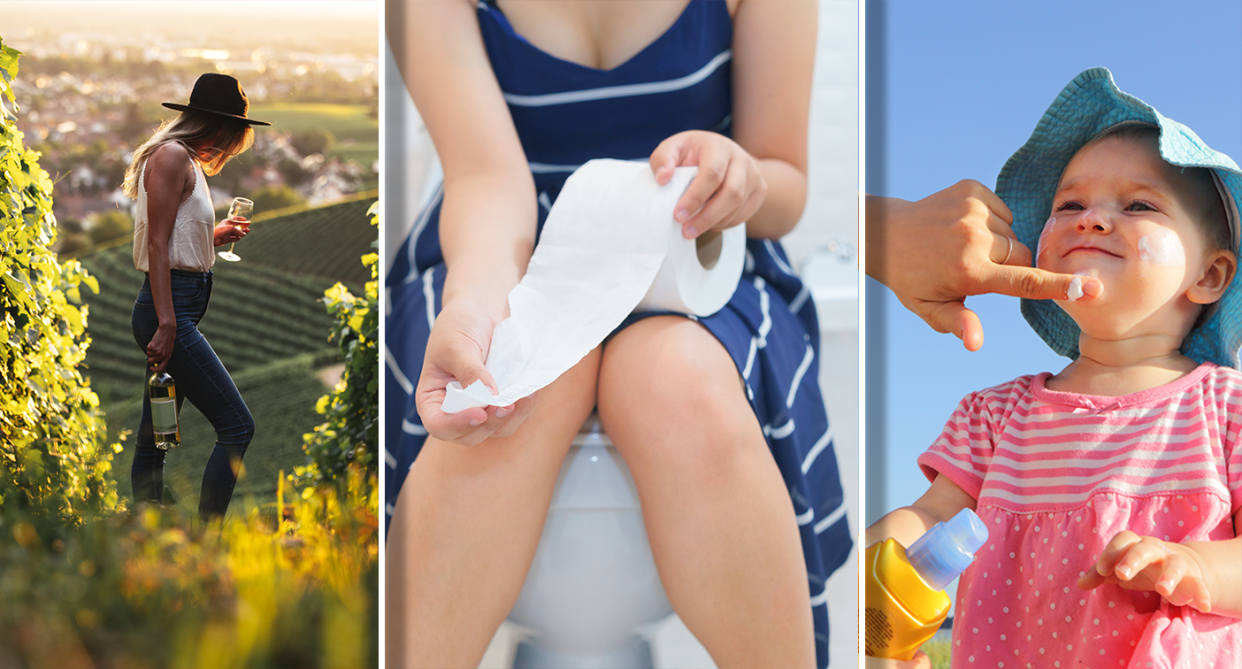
(667, 384)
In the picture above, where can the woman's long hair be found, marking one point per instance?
(229, 138)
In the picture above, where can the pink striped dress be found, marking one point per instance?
(1056, 475)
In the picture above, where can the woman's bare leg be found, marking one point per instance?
(466, 525)
(721, 524)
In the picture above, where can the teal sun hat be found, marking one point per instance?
(1089, 105)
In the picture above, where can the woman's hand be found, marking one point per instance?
(160, 348)
(456, 351)
(728, 189)
(230, 230)
(936, 252)
(1173, 571)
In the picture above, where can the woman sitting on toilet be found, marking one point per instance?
(720, 419)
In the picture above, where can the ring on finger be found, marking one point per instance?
(1008, 250)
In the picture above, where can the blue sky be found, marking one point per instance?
(965, 83)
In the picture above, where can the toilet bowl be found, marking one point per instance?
(593, 582)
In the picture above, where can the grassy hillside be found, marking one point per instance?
(265, 321)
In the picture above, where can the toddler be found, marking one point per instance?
(1112, 491)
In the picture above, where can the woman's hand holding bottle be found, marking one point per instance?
(160, 348)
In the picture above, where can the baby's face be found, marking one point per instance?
(1120, 215)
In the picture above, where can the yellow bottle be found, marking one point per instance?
(905, 598)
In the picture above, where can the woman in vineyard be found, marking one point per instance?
(174, 238)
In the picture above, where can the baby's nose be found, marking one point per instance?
(1092, 220)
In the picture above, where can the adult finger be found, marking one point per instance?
(664, 159)
(457, 427)
(509, 421)
(452, 427)
(1007, 250)
(482, 432)
(1000, 225)
(713, 168)
(748, 209)
(723, 203)
(953, 317)
(466, 367)
(1034, 283)
(989, 199)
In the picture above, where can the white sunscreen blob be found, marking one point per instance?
(1162, 247)
(1074, 292)
(1075, 289)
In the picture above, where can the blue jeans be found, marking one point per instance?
(201, 379)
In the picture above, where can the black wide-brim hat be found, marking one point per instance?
(218, 94)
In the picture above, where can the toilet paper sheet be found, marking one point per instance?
(610, 246)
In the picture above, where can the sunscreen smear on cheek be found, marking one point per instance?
(1162, 247)
(1043, 235)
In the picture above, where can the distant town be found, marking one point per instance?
(88, 99)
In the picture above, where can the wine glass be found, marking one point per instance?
(240, 207)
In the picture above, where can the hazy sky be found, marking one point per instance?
(299, 24)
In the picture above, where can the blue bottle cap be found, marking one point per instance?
(947, 549)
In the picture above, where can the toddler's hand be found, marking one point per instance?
(920, 661)
(1148, 564)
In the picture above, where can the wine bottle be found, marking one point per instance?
(163, 393)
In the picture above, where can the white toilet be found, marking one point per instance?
(593, 582)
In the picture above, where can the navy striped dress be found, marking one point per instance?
(567, 114)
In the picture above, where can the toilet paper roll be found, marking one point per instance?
(610, 246)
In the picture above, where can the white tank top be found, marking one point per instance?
(191, 246)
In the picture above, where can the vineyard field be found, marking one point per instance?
(267, 323)
(281, 397)
(265, 308)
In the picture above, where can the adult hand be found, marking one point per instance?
(919, 661)
(160, 348)
(936, 252)
(456, 351)
(728, 189)
(230, 230)
(1148, 564)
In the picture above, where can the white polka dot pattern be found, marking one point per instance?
(1055, 487)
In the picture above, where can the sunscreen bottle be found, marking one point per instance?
(906, 602)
